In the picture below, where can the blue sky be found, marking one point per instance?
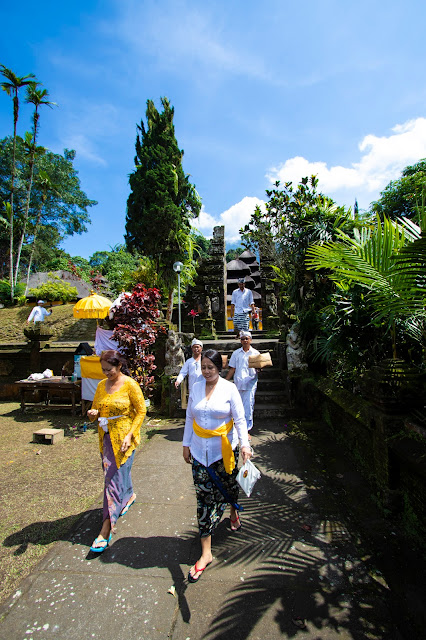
(261, 91)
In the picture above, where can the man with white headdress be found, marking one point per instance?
(39, 313)
(192, 366)
(242, 304)
(245, 377)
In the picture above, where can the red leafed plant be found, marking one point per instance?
(193, 315)
(135, 330)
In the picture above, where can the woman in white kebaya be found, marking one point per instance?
(214, 426)
(192, 366)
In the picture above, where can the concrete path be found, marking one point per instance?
(290, 560)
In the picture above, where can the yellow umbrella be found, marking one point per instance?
(94, 306)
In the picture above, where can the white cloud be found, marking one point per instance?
(84, 148)
(233, 218)
(204, 223)
(182, 34)
(382, 160)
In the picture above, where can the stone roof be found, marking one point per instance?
(83, 288)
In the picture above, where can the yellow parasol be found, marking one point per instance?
(94, 306)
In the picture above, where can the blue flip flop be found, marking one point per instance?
(127, 507)
(104, 544)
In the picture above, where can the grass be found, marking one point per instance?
(45, 488)
(13, 321)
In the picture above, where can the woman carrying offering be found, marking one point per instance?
(214, 426)
(120, 409)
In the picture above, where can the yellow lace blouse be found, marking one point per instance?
(128, 402)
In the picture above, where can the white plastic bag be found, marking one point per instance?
(247, 477)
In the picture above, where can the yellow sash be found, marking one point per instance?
(222, 432)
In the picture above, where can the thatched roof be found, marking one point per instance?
(237, 265)
(248, 257)
(83, 288)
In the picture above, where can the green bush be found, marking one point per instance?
(5, 291)
(54, 290)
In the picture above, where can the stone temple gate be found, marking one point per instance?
(210, 297)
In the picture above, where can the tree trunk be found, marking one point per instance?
(169, 305)
(12, 189)
(33, 247)
(26, 214)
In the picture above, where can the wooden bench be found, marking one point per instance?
(49, 388)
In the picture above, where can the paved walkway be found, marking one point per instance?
(290, 559)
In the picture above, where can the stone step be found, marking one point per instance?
(269, 373)
(269, 411)
(270, 384)
(277, 397)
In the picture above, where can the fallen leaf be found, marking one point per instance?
(172, 590)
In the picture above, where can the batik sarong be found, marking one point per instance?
(118, 483)
(211, 504)
(241, 321)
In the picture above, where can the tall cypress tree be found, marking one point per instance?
(162, 200)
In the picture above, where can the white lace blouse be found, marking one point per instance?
(225, 403)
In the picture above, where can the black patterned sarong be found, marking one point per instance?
(211, 504)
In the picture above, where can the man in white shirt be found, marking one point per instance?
(245, 377)
(242, 304)
(192, 366)
(38, 313)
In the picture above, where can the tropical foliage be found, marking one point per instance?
(11, 85)
(53, 290)
(57, 208)
(293, 219)
(136, 329)
(39, 191)
(379, 273)
(401, 198)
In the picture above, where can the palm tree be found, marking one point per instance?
(11, 86)
(389, 262)
(37, 97)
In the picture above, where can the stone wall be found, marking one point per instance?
(390, 456)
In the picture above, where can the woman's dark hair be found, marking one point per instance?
(214, 356)
(115, 358)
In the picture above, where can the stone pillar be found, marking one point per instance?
(215, 281)
(208, 295)
(270, 318)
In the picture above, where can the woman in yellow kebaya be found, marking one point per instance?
(119, 407)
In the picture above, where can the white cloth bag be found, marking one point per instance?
(247, 477)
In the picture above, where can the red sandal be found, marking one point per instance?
(233, 527)
(200, 571)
